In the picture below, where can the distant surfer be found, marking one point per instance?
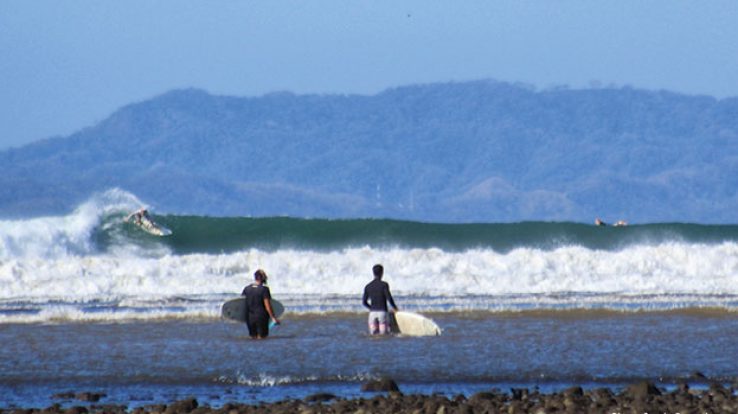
(259, 306)
(619, 223)
(376, 295)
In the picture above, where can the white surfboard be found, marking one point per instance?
(413, 324)
(152, 228)
(141, 220)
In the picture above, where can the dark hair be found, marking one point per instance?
(378, 270)
(260, 275)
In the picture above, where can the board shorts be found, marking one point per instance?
(378, 322)
(258, 326)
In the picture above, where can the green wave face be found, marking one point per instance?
(197, 234)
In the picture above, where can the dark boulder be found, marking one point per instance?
(574, 392)
(89, 396)
(380, 385)
(69, 395)
(642, 391)
(320, 397)
(182, 407)
(519, 393)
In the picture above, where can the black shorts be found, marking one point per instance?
(258, 325)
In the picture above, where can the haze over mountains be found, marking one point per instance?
(471, 151)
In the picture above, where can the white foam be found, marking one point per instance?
(267, 380)
(667, 275)
(62, 236)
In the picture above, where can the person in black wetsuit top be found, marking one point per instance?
(258, 306)
(376, 295)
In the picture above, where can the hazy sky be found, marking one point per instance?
(66, 65)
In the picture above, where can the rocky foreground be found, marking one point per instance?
(639, 398)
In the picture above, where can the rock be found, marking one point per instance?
(182, 406)
(109, 409)
(320, 397)
(572, 403)
(574, 392)
(464, 408)
(519, 393)
(380, 385)
(155, 408)
(642, 391)
(717, 389)
(682, 388)
(601, 394)
(483, 396)
(89, 396)
(430, 406)
(698, 375)
(344, 406)
(69, 395)
(396, 395)
(54, 408)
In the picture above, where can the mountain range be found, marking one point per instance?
(450, 152)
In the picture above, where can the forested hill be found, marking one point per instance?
(472, 151)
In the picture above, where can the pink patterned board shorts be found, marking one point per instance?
(378, 323)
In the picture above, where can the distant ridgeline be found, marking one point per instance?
(474, 151)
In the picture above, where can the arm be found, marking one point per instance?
(365, 299)
(268, 306)
(389, 297)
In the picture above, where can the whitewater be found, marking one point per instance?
(90, 265)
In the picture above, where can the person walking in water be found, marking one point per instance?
(376, 295)
(259, 306)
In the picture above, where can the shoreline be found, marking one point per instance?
(385, 396)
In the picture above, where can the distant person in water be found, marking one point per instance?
(259, 306)
(619, 223)
(376, 295)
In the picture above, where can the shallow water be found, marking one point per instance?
(149, 362)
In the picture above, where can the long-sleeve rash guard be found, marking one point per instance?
(376, 295)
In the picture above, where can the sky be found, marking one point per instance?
(67, 65)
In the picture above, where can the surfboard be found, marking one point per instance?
(152, 228)
(146, 224)
(235, 309)
(413, 324)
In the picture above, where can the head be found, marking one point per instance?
(378, 271)
(260, 276)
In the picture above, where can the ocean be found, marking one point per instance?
(89, 302)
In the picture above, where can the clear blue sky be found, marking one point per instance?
(66, 65)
